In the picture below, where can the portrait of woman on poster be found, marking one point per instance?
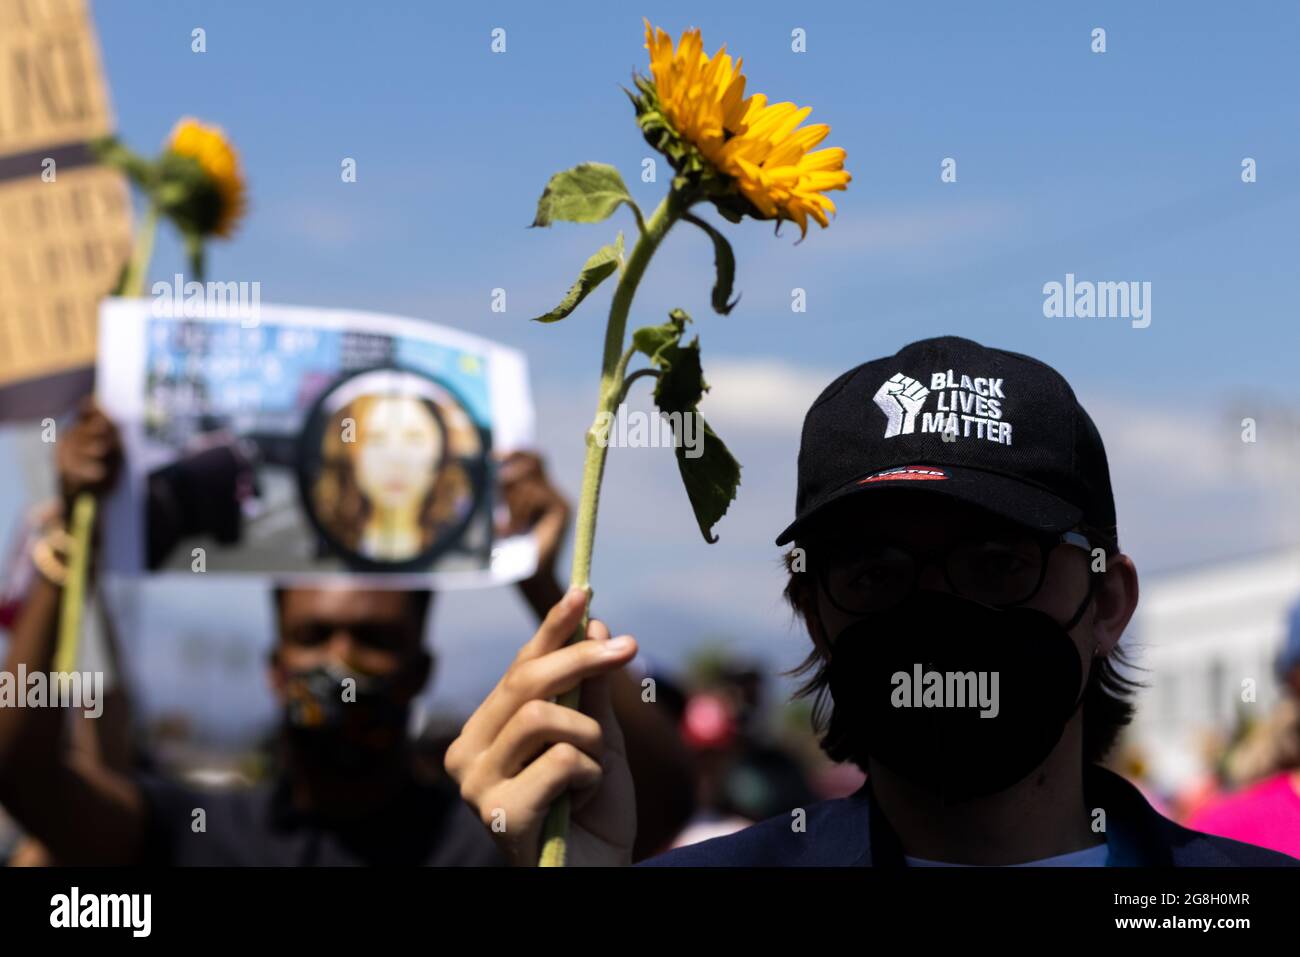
(395, 475)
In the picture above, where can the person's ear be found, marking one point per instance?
(1114, 601)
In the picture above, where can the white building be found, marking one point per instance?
(1206, 636)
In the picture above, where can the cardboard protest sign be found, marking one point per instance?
(307, 443)
(66, 222)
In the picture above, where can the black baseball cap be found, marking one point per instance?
(948, 416)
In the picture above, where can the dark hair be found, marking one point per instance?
(1107, 697)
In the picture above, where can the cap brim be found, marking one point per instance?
(1003, 496)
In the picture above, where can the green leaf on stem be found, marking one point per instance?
(709, 471)
(588, 193)
(595, 270)
(725, 261)
(681, 382)
(711, 477)
(655, 341)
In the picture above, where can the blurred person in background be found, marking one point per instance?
(1265, 768)
(347, 791)
(103, 741)
(957, 565)
(742, 774)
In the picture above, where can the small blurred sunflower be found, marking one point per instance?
(748, 156)
(212, 202)
(196, 183)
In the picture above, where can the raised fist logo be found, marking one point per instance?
(901, 399)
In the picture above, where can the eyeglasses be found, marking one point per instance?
(870, 577)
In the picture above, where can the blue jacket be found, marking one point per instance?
(852, 832)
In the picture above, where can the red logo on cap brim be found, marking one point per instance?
(909, 474)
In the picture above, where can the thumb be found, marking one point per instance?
(595, 700)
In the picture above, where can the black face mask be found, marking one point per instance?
(343, 729)
(884, 694)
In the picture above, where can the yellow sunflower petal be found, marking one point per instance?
(760, 145)
(208, 146)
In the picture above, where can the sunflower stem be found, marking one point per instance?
(82, 520)
(137, 268)
(555, 829)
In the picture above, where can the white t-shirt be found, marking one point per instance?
(1088, 857)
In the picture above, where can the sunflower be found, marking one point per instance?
(217, 210)
(694, 110)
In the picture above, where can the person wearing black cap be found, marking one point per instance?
(955, 557)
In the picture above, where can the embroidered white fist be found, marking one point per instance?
(901, 398)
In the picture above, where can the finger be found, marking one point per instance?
(558, 626)
(517, 466)
(557, 771)
(97, 448)
(94, 422)
(535, 727)
(488, 719)
(515, 809)
(534, 679)
(597, 702)
(113, 434)
(523, 504)
(552, 523)
(563, 670)
(85, 473)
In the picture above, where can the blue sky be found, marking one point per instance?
(1116, 166)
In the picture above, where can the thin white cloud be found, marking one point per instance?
(761, 394)
(895, 231)
(319, 225)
